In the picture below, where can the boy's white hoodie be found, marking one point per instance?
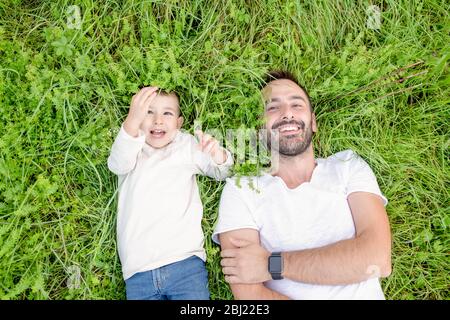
(159, 207)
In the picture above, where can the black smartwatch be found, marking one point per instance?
(276, 265)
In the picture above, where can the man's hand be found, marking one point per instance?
(210, 145)
(246, 264)
(139, 109)
(255, 291)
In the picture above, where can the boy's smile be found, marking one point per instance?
(157, 133)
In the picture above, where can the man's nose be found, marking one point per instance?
(286, 112)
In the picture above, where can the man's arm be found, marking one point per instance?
(255, 291)
(366, 256)
(349, 261)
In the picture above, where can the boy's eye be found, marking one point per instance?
(168, 113)
(271, 108)
(150, 112)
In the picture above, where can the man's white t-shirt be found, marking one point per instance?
(159, 207)
(313, 215)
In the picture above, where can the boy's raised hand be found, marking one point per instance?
(139, 109)
(210, 145)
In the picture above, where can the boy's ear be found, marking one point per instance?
(180, 122)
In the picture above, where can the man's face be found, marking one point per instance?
(288, 117)
(162, 121)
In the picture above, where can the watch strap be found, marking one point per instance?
(275, 274)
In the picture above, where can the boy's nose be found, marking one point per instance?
(158, 119)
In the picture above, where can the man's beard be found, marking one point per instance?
(290, 145)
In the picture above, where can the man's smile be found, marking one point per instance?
(289, 129)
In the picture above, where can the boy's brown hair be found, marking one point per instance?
(169, 93)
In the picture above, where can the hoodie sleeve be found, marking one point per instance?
(205, 164)
(124, 152)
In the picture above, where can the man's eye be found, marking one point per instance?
(297, 106)
(271, 108)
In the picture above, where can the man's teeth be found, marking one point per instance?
(289, 128)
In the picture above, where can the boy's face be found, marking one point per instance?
(162, 121)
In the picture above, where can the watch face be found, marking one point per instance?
(275, 264)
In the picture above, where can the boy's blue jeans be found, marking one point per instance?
(183, 280)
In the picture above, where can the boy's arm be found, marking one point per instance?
(131, 139)
(216, 171)
(212, 159)
(124, 152)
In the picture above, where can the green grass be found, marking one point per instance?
(64, 92)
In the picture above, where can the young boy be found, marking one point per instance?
(159, 232)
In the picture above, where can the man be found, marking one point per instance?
(315, 228)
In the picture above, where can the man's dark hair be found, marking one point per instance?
(283, 74)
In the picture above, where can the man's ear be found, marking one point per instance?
(180, 122)
(313, 122)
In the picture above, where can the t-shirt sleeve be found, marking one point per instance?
(234, 211)
(361, 177)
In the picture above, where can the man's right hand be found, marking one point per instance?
(139, 109)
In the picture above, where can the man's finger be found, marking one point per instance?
(229, 271)
(228, 262)
(232, 279)
(228, 253)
